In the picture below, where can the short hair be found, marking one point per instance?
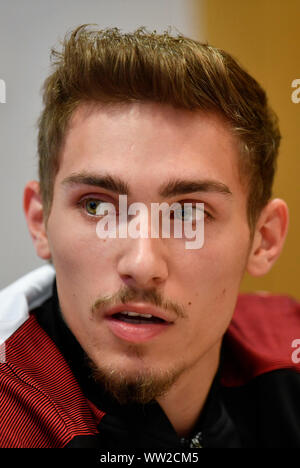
(109, 66)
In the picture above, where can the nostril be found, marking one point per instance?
(128, 280)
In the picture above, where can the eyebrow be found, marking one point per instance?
(108, 182)
(172, 188)
(180, 187)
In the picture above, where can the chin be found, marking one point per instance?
(135, 384)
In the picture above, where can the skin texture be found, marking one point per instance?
(146, 145)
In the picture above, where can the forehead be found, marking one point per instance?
(144, 143)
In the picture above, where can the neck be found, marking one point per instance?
(184, 402)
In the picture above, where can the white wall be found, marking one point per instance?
(28, 29)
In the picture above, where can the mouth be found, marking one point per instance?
(137, 323)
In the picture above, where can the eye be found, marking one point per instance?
(185, 213)
(92, 206)
(189, 213)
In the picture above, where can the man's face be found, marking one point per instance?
(146, 146)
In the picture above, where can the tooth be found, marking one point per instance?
(135, 314)
(132, 314)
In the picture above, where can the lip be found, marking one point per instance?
(137, 333)
(140, 309)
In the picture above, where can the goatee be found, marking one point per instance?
(141, 387)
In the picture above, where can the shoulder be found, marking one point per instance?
(260, 372)
(42, 404)
(261, 337)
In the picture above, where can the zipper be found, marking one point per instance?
(194, 442)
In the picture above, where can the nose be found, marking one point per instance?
(143, 264)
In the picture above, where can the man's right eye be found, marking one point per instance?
(91, 206)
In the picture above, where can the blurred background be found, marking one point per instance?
(262, 34)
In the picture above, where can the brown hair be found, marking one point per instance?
(109, 66)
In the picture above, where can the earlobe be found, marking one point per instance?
(269, 237)
(34, 213)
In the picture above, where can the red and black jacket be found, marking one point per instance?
(48, 398)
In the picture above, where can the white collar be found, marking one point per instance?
(25, 294)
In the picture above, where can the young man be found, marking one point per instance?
(124, 341)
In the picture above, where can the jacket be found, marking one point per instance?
(47, 401)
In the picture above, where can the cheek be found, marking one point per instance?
(222, 259)
(85, 264)
(74, 243)
(213, 266)
(210, 279)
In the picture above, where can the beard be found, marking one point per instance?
(140, 387)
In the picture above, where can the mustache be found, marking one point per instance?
(151, 297)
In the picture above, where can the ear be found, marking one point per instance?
(34, 213)
(270, 233)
